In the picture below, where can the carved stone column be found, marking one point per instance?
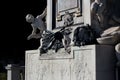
(49, 14)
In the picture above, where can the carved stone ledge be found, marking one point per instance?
(51, 55)
(78, 13)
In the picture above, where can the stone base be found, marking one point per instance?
(92, 62)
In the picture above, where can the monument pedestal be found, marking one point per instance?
(91, 62)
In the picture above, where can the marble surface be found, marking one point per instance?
(88, 63)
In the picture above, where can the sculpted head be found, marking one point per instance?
(29, 18)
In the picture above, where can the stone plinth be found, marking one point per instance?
(92, 62)
(13, 72)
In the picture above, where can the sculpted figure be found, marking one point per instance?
(46, 41)
(67, 39)
(36, 23)
(68, 19)
(51, 40)
(97, 13)
(55, 41)
(84, 35)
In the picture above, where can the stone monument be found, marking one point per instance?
(71, 46)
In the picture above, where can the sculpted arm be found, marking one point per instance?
(32, 35)
(43, 14)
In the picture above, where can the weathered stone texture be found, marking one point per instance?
(93, 62)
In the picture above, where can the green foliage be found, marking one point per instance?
(3, 76)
